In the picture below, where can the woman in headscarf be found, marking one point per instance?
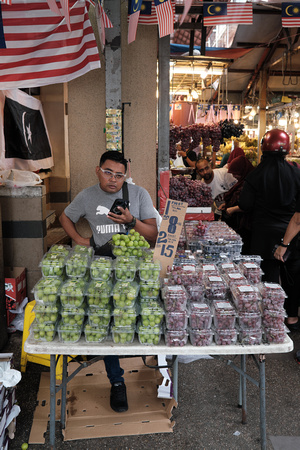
(237, 151)
(239, 168)
(271, 194)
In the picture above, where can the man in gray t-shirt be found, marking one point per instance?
(94, 205)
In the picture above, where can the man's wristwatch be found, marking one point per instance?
(131, 224)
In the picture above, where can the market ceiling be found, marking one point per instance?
(263, 46)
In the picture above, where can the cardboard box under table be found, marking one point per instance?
(109, 348)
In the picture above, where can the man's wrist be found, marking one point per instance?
(131, 224)
(283, 245)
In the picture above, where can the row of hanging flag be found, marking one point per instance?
(216, 113)
(162, 12)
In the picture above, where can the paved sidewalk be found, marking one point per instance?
(207, 416)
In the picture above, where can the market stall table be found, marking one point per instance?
(57, 348)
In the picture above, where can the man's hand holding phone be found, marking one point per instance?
(281, 253)
(119, 211)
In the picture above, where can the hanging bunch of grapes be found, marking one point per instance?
(216, 137)
(174, 138)
(195, 192)
(230, 129)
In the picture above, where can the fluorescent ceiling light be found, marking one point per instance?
(196, 70)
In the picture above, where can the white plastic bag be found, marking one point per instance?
(19, 178)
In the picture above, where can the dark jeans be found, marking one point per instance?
(113, 369)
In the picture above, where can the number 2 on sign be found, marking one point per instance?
(167, 250)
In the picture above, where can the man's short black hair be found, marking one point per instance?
(113, 155)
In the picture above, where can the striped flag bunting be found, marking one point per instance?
(38, 49)
(148, 14)
(218, 13)
(134, 8)
(290, 14)
(165, 17)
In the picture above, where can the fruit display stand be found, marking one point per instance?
(108, 347)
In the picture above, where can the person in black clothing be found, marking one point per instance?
(189, 156)
(271, 193)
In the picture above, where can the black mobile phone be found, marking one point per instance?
(119, 202)
(286, 255)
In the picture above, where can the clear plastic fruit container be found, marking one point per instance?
(46, 290)
(252, 271)
(73, 315)
(149, 289)
(125, 268)
(53, 265)
(43, 332)
(124, 317)
(225, 337)
(210, 269)
(176, 338)
(250, 336)
(60, 249)
(224, 315)
(274, 336)
(101, 268)
(152, 313)
(69, 333)
(227, 267)
(45, 314)
(201, 338)
(98, 316)
(215, 287)
(249, 320)
(124, 293)
(245, 297)
(77, 265)
(274, 318)
(72, 292)
(98, 293)
(83, 250)
(175, 298)
(176, 320)
(200, 316)
(95, 334)
(273, 296)
(123, 335)
(196, 292)
(119, 250)
(149, 270)
(185, 275)
(149, 335)
(235, 278)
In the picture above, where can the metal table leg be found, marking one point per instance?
(64, 392)
(175, 378)
(52, 400)
(244, 396)
(262, 396)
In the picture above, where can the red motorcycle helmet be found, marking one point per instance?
(276, 141)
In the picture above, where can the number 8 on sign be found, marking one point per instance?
(172, 224)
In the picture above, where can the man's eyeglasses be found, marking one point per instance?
(110, 174)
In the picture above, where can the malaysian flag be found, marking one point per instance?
(24, 140)
(290, 14)
(227, 13)
(134, 14)
(165, 17)
(102, 22)
(37, 47)
(148, 14)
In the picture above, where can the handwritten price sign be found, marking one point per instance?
(169, 233)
